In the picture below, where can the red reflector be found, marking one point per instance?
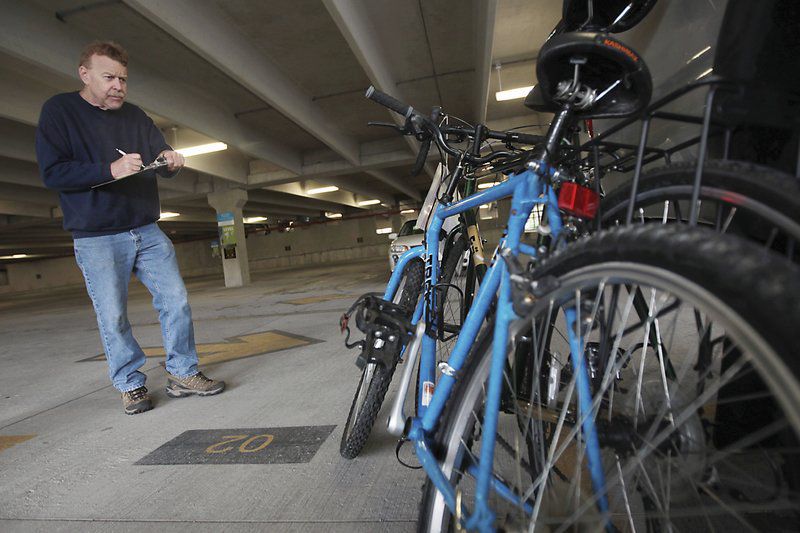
(577, 200)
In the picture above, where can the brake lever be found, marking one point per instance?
(392, 125)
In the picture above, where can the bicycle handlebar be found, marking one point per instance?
(436, 133)
(388, 101)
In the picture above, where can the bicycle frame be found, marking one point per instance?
(526, 190)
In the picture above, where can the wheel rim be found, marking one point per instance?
(676, 474)
(361, 397)
(728, 210)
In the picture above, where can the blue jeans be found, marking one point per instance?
(107, 263)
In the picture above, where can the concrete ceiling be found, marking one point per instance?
(281, 82)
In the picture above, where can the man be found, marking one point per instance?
(91, 137)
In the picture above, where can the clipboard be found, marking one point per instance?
(160, 161)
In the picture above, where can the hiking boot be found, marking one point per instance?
(197, 384)
(136, 401)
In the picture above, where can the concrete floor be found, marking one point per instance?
(78, 472)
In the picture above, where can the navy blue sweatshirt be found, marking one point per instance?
(76, 143)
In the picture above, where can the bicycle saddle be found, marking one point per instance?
(612, 16)
(603, 62)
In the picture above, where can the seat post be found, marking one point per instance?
(556, 130)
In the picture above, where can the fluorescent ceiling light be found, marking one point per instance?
(369, 202)
(202, 149)
(487, 184)
(407, 211)
(704, 74)
(320, 190)
(15, 256)
(513, 94)
(333, 215)
(254, 220)
(698, 54)
(383, 231)
(168, 214)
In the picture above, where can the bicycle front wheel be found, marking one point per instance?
(695, 395)
(375, 378)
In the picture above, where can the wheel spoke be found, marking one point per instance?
(670, 379)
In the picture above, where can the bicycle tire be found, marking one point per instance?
(764, 200)
(450, 302)
(695, 265)
(375, 378)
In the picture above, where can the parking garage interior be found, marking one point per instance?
(276, 233)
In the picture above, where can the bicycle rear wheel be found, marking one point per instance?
(375, 378)
(684, 441)
(758, 203)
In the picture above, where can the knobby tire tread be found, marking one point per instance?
(769, 186)
(350, 447)
(731, 268)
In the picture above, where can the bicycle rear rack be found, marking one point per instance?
(635, 156)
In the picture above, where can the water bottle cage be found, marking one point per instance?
(385, 325)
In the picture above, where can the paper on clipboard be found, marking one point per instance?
(160, 161)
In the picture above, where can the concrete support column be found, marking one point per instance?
(233, 247)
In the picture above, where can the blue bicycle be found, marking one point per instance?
(599, 381)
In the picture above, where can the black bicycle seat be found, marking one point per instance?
(611, 16)
(605, 61)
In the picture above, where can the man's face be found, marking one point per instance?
(105, 82)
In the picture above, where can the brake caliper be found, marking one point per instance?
(386, 328)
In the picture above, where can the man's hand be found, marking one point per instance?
(174, 160)
(126, 165)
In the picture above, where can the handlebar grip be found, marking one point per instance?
(524, 138)
(422, 156)
(387, 101)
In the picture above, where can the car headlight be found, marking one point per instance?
(399, 248)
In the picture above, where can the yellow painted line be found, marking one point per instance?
(236, 347)
(7, 441)
(316, 299)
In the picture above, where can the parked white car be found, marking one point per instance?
(407, 237)
(410, 236)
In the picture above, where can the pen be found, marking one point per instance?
(120, 151)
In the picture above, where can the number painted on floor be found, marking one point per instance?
(244, 447)
(215, 448)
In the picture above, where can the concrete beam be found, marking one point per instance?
(262, 209)
(17, 140)
(190, 214)
(485, 18)
(357, 30)
(17, 207)
(21, 103)
(32, 248)
(323, 166)
(26, 193)
(205, 30)
(339, 197)
(57, 47)
(375, 155)
(20, 173)
(344, 183)
(276, 198)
